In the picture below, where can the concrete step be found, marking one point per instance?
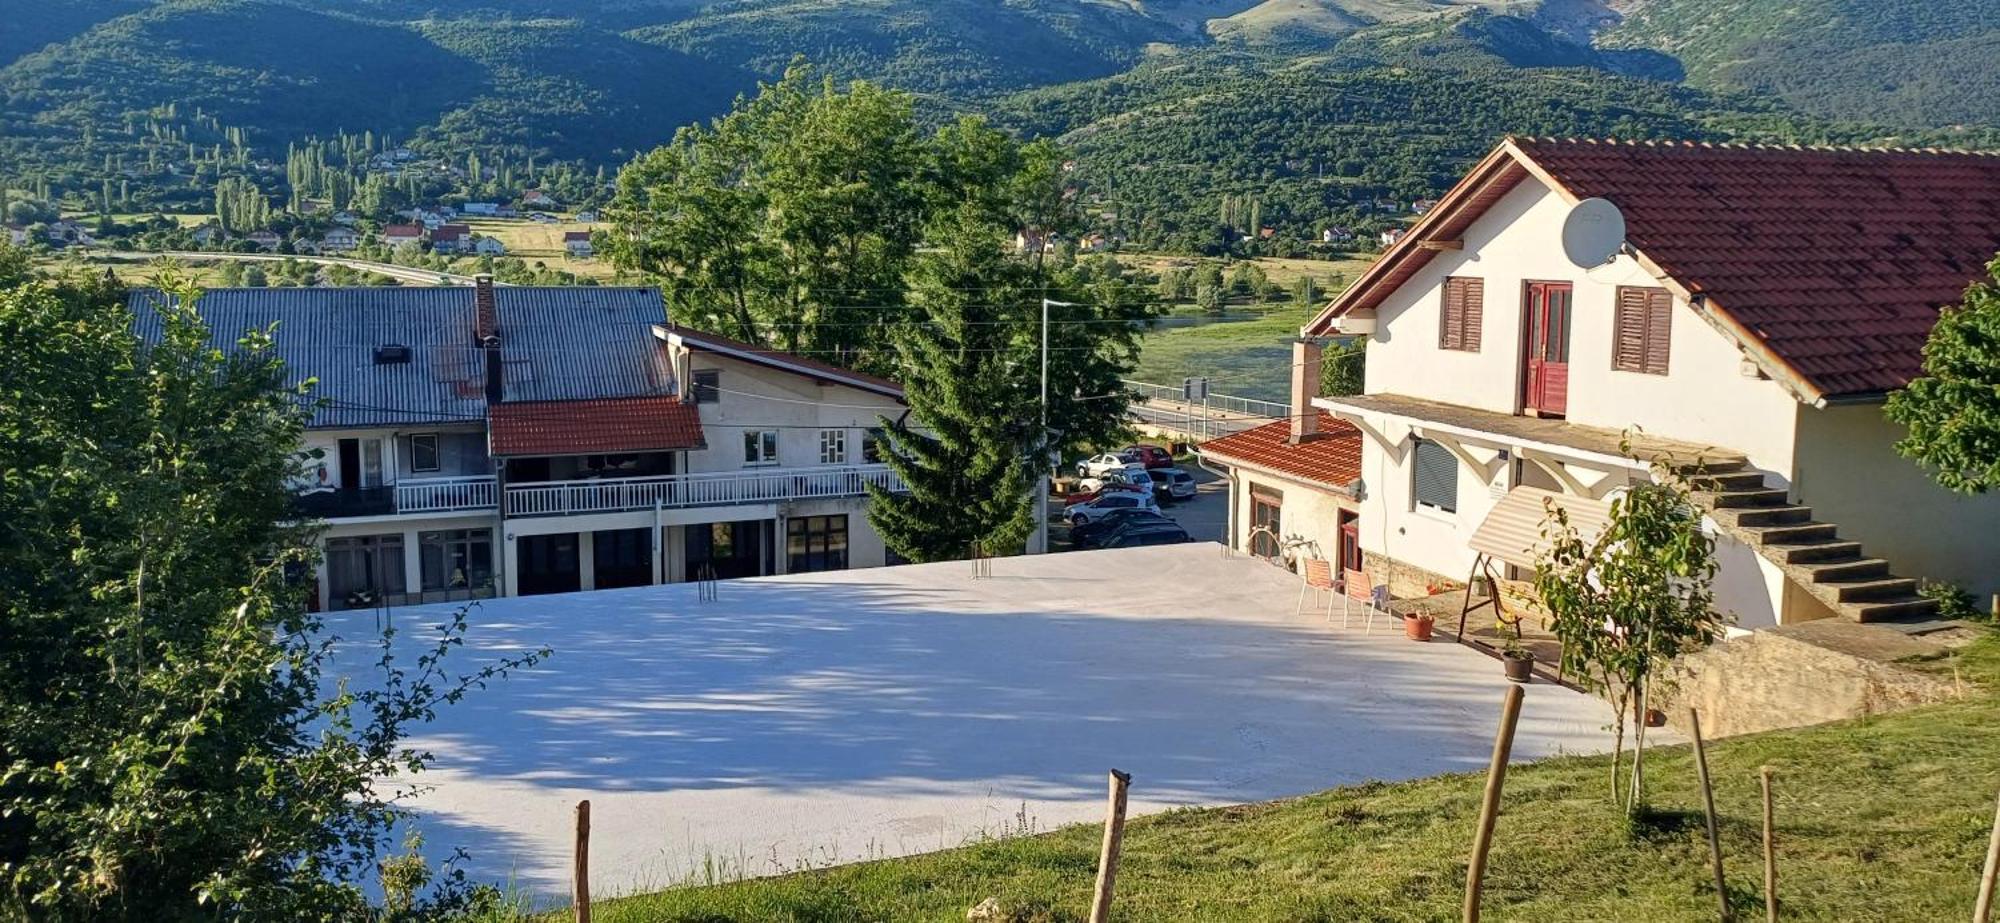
(1733, 480)
(1746, 517)
(1867, 589)
(1891, 610)
(1793, 533)
(1739, 499)
(1812, 552)
(1837, 571)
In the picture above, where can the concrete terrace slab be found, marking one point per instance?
(822, 718)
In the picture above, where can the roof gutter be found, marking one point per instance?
(1850, 399)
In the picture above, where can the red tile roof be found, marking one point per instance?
(575, 235)
(403, 230)
(1829, 264)
(633, 424)
(451, 232)
(787, 361)
(1332, 458)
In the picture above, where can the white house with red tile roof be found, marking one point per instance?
(516, 440)
(577, 244)
(1293, 493)
(398, 235)
(1762, 304)
(451, 238)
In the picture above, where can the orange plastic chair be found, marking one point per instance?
(1358, 589)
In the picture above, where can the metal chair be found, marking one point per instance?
(1319, 579)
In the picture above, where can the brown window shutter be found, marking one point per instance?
(1642, 330)
(1459, 322)
(1659, 315)
(1475, 311)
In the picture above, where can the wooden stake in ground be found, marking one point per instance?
(1708, 808)
(1107, 858)
(1489, 808)
(580, 888)
(1983, 911)
(1770, 851)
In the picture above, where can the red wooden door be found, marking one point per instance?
(1349, 552)
(1546, 382)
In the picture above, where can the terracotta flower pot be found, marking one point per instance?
(1520, 665)
(1418, 627)
(1655, 718)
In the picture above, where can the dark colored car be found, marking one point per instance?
(1088, 534)
(1136, 538)
(1151, 456)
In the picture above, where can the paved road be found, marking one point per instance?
(404, 273)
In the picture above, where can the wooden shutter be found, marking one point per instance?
(1642, 331)
(1464, 308)
(1436, 476)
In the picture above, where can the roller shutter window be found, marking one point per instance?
(1435, 476)
(1644, 320)
(1464, 306)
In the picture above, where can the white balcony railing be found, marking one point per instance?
(614, 495)
(447, 495)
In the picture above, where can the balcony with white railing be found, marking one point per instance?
(447, 495)
(680, 491)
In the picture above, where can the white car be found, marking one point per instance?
(1102, 506)
(1132, 475)
(1098, 464)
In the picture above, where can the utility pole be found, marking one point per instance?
(1048, 458)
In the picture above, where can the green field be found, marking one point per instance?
(1250, 357)
(1881, 819)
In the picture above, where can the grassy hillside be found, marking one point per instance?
(32, 24)
(1882, 819)
(934, 46)
(1922, 63)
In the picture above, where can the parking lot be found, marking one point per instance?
(1206, 517)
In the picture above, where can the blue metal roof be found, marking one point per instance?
(581, 342)
(559, 343)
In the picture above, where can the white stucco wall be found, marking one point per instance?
(1704, 397)
(1307, 510)
(1849, 473)
(755, 397)
(461, 451)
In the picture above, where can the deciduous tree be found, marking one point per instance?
(1952, 410)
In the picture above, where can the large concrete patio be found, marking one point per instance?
(813, 719)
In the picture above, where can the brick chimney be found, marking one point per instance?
(486, 336)
(1306, 355)
(486, 320)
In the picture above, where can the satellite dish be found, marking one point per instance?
(1593, 233)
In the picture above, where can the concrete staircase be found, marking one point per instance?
(1811, 553)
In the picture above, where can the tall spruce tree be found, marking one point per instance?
(964, 364)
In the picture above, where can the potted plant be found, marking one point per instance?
(1518, 661)
(1417, 626)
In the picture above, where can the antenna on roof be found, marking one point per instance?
(1593, 233)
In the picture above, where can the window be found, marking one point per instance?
(1640, 344)
(1266, 535)
(760, 447)
(424, 452)
(707, 386)
(815, 543)
(1464, 304)
(371, 463)
(360, 570)
(457, 558)
(833, 447)
(1435, 474)
(871, 445)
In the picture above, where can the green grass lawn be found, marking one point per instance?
(1882, 819)
(1249, 358)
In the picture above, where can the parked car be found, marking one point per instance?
(1098, 464)
(1136, 538)
(1090, 533)
(1102, 506)
(1172, 484)
(1151, 456)
(1133, 475)
(1089, 495)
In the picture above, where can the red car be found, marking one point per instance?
(1151, 456)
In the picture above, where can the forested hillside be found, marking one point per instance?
(1914, 63)
(1179, 110)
